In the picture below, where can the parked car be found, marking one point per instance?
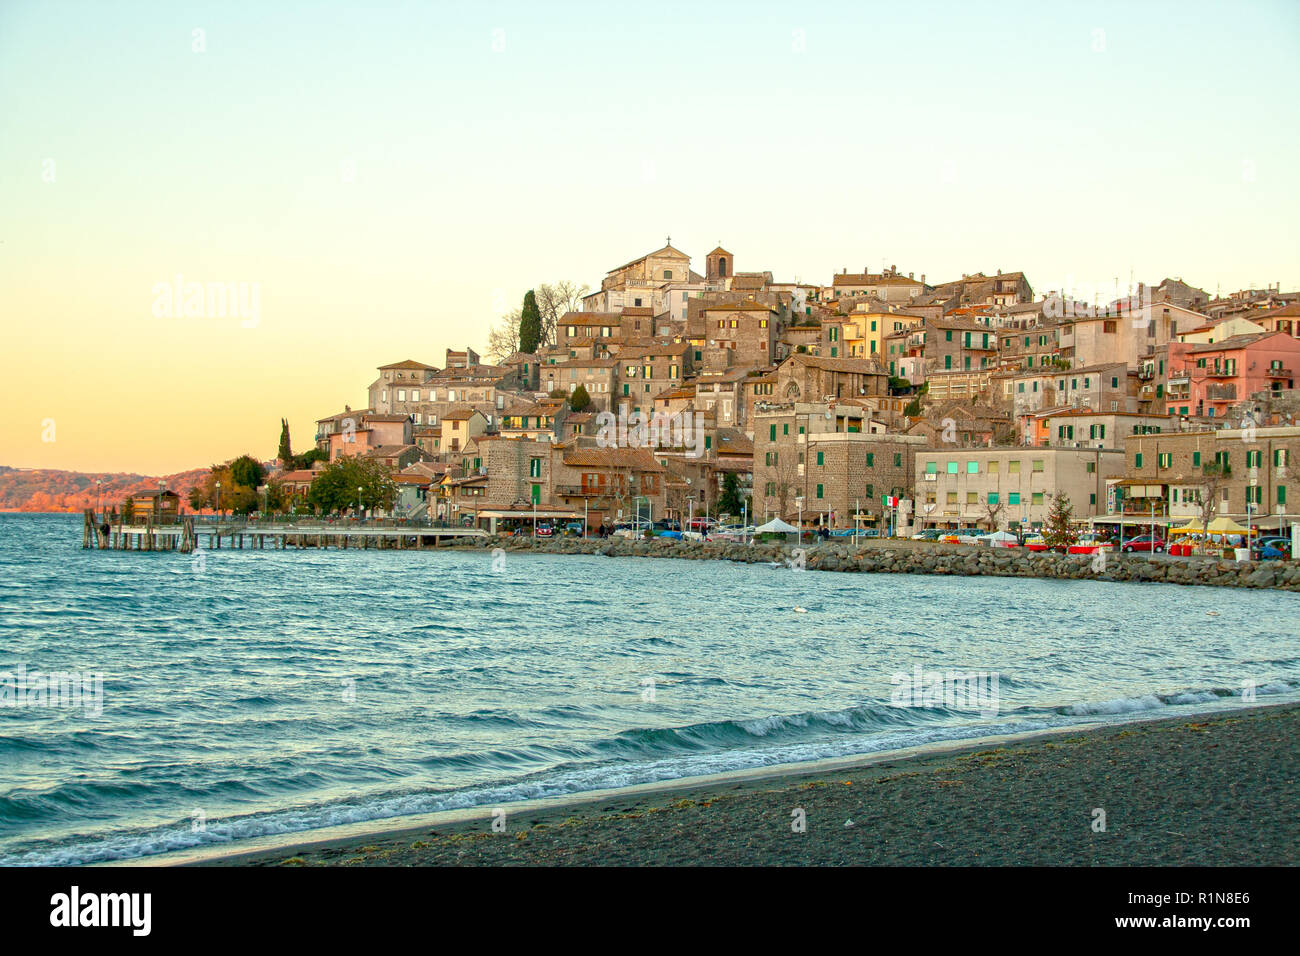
(702, 524)
(545, 530)
(1271, 549)
(572, 528)
(929, 534)
(1145, 542)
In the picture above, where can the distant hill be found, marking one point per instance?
(43, 489)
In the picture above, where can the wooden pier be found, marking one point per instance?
(187, 535)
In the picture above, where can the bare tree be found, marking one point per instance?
(785, 473)
(503, 340)
(991, 512)
(554, 300)
(1214, 478)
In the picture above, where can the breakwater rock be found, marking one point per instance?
(909, 557)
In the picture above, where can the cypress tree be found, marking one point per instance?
(530, 324)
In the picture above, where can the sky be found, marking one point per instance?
(383, 180)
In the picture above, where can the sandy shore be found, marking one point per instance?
(1213, 790)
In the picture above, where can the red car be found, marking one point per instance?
(1145, 542)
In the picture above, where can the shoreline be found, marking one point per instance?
(594, 827)
(905, 556)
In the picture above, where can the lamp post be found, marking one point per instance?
(218, 502)
(690, 512)
(99, 485)
(798, 501)
(162, 488)
(358, 502)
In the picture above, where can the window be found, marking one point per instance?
(931, 467)
(947, 336)
(821, 461)
(785, 429)
(871, 491)
(898, 459)
(1196, 459)
(534, 468)
(1281, 458)
(952, 468)
(1038, 465)
(952, 497)
(1037, 498)
(1164, 459)
(871, 460)
(668, 273)
(819, 491)
(993, 468)
(972, 467)
(1013, 468)
(1137, 460)
(1281, 494)
(993, 497)
(1013, 498)
(771, 436)
(1092, 499)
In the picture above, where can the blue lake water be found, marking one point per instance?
(266, 692)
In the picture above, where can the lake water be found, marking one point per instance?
(249, 693)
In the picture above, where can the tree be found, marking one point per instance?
(1213, 478)
(247, 471)
(913, 409)
(286, 453)
(1059, 533)
(553, 301)
(199, 498)
(991, 511)
(580, 401)
(503, 341)
(335, 488)
(308, 458)
(786, 475)
(729, 501)
(530, 324)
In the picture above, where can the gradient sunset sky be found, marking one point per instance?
(394, 175)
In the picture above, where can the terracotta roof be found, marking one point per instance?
(636, 458)
(411, 364)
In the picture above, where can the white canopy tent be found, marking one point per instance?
(776, 526)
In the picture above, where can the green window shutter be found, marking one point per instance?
(772, 434)
(1137, 460)
(898, 459)
(819, 491)
(871, 460)
(1196, 459)
(821, 458)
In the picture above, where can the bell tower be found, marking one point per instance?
(719, 265)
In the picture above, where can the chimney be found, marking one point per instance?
(922, 278)
(999, 272)
(909, 275)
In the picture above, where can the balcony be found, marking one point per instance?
(1277, 371)
(1220, 393)
(581, 491)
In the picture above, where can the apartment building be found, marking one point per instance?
(996, 488)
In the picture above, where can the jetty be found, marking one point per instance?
(187, 533)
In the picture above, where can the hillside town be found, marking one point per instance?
(882, 402)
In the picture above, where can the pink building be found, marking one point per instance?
(1209, 379)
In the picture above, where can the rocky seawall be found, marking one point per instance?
(910, 557)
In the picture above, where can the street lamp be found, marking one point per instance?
(162, 488)
(359, 502)
(218, 502)
(799, 504)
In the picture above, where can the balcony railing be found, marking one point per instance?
(1221, 393)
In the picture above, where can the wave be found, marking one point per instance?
(640, 756)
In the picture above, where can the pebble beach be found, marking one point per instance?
(1217, 790)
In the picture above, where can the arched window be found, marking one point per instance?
(722, 267)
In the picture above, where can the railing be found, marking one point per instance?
(1220, 393)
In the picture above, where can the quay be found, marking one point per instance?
(187, 533)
